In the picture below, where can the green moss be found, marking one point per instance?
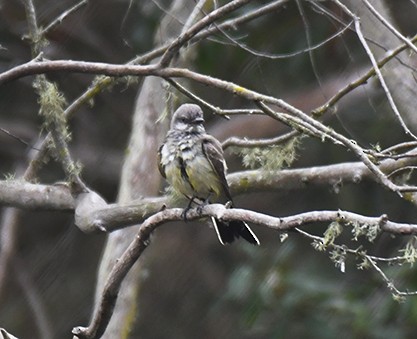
(332, 232)
(410, 251)
(272, 157)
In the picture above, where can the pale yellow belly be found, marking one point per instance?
(200, 181)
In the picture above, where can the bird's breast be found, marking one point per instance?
(187, 168)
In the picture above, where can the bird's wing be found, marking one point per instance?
(160, 166)
(213, 151)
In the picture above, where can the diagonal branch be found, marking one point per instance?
(186, 36)
(57, 21)
(389, 26)
(119, 70)
(362, 79)
(377, 70)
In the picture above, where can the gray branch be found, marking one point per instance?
(94, 215)
(30, 196)
(111, 289)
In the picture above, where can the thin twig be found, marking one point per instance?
(402, 169)
(191, 95)
(67, 163)
(215, 109)
(326, 132)
(389, 26)
(57, 21)
(364, 256)
(397, 147)
(247, 143)
(388, 281)
(192, 18)
(273, 56)
(360, 80)
(306, 25)
(321, 9)
(377, 69)
(197, 27)
(17, 138)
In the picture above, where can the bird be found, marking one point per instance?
(193, 163)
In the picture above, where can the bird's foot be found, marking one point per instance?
(200, 209)
(204, 203)
(184, 213)
(186, 210)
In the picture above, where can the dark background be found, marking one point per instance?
(193, 287)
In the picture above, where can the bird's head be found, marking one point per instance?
(189, 118)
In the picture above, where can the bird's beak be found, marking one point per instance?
(198, 121)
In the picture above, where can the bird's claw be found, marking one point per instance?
(200, 209)
(184, 213)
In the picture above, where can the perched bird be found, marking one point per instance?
(192, 161)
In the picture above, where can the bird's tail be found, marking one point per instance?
(228, 231)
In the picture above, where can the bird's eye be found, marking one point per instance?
(183, 120)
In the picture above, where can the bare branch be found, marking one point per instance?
(186, 36)
(32, 68)
(197, 11)
(104, 82)
(361, 80)
(36, 196)
(327, 132)
(104, 310)
(310, 124)
(239, 142)
(389, 26)
(58, 197)
(274, 56)
(33, 28)
(62, 17)
(377, 70)
(17, 138)
(389, 283)
(191, 95)
(307, 33)
(108, 298)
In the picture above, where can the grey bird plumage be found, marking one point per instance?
(192, 161)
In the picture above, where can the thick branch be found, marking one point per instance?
(58, 197)
(36, 196)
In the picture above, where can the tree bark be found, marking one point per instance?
(140, 177)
